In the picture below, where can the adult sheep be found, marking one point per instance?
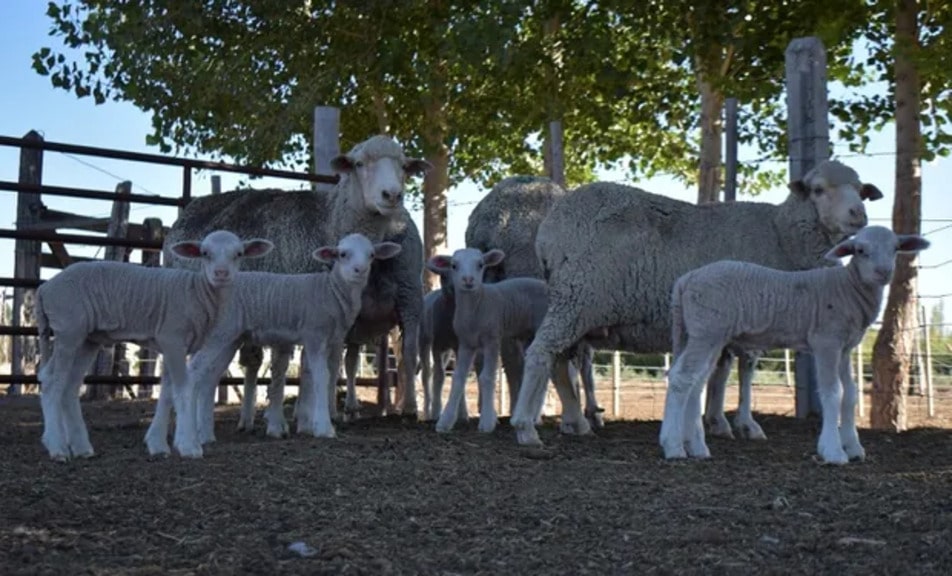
(508, 218)
(611, 254)
(368, 199)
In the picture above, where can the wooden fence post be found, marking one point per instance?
(927, 367)
(730, 149)
(557, 152)
(808, 136)
(111, 358)
(616, 384)
(153, 231)
(26, 252)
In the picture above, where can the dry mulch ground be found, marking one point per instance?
(391, 497)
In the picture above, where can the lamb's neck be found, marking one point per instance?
(468, 304)
(803, 239)
(867, 298)
(345, 295)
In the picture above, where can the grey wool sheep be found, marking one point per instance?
(368, 199)
(485, 314)
(508, 218)
(611, 254)
(740, 305)
(90, 304)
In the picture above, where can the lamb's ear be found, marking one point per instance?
(843, 249)
(343, 163)
(416, 167)
(326, 254)
(910, 243)
(386, 250)
(257, 247)
(870, 192)
(494, 257)
(440, 264)
(187, 249)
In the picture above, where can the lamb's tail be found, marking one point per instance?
(679, 334)
(45, 345)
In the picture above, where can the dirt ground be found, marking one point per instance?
(392, 497)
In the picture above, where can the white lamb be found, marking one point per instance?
(746, 306)
(485, 314)
(269, 309)
(89, 304)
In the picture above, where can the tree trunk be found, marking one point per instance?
(434, 185)
(709, 171)
(894, 343)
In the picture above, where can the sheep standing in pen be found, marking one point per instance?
(437, 340)
(611, 254)
(90, 304)
(508, 218)
(751, 307)
(368, 199)
(485, 314)
(315, 310)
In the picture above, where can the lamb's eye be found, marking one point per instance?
(818, 190)
(359, 164)
(343, 253)
(453, 265)
(204, 253)
(480, 265)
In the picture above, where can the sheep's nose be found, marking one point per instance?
(221, 274)
(358, 269)
(392, 196)
(467, 280)
(858, 213)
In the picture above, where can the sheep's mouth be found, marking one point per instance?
(385, 209)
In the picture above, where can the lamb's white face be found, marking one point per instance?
(354, 255)
(465, 267)
(874, 250)
(220, 252)
(381, 171)
(839, 205)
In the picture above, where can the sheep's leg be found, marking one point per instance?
(559, 331)
(156, 437)
(487, 385)
(513, 364)
(585, 359)
(317, 356)
(849, 437)
(690, 368)
(827, 358)
(76, 433)
(695, 444)
(277, 425)
(205, 370)
(351, 403)
(746, 426)
(717, 423)
(464, 363)
(411, 341)
(333, 369)
(185, 439)
(304, 408)
(250, 357)
(205, 411)
(426, 379)
(57, 382)
(565, 377)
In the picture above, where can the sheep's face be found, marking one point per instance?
(353, 256)
(838, 195)
(220, 253)
(874, 250)
(380, 169)
(465, 267)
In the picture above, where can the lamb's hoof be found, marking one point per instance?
(189, 450)
(85, 452)
(278, 429)
(487, 427)
(157, 446)
(855, 453)
(323, 432)
(248, 427)
(674, 450)
(834, 457)
(701, 452)
(596, 419)
(750, 431)
(351, 414)
(577, 428)
(444, 427)
(528, 437)
(720, 428)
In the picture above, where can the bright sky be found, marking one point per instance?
(29, 102)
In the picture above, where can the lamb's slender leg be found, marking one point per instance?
(585, 359)
(565, 378)
(304, 411)
(512, 353)
(695, 445)
(317, 355)
(206, 368)
(426, 379)
(717, 422)
(277, 425)
(157, 436)
(487, 385)
(849, 436)
(336, 352)
(52, 391)
(351, 403)
(250, 357)
(76, 432)
(827, 358)
(185, 439)
(438, 377)
(690, 369)
(464, 363)
(746, 426)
